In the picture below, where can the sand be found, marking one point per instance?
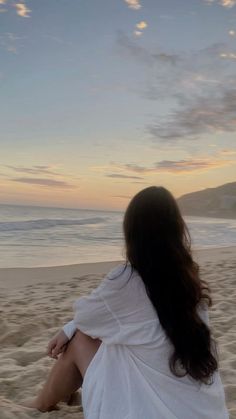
(36, 302)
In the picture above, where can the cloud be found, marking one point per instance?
(229, 55)
(117, 175)
(133, 4)
(228, 3)
(35, 170)
(2, 3)
(190, 165)
(179, 166)
(141, 25)
(232, 32)
(198, 116)
(44, 182)
(225, 3)
(122, 196)
(172, 66)
(143, 55)
(22, 10)
(198, 87)
(138, 33)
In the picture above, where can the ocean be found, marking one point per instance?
(39, 236)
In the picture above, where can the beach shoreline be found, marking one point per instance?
(36, 302)
(21, 276)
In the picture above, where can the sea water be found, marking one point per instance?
(39, 236)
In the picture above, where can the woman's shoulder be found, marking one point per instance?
(120, 271)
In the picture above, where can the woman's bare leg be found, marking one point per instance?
(67, 374)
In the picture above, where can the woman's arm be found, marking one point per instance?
(59, 342)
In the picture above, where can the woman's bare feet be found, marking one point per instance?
(34, 404)
(74, 399)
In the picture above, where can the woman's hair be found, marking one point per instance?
(158, 246)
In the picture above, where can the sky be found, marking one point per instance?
(100, 99)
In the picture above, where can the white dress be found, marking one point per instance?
(129, 376)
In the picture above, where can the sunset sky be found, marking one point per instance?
(102, 98)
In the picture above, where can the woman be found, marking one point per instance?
(140, 344)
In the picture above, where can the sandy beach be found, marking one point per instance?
(36, 302)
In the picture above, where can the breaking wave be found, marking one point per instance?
(42, 224)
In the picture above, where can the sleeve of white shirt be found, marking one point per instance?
(69, 329)
(93, 316)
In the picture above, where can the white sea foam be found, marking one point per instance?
(35, 236)
(47, 223)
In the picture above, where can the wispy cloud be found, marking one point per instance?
(225, 3)
(197, 116)
(220, 158)
(141, 25)
(199, 85)
(183, 166)
(228, 3)
(232, 32)
(22, 10)
(133, 4)
(138, 33)
(43, 182)
(122, 196)
(228, 55)
(35, 170)
(3, 3)
(120, 176)
(141, 54)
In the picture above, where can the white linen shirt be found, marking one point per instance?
(129, 376)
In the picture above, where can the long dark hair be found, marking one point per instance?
(158, 246)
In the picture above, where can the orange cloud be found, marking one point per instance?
(133, 4)
(173, 166)
(22, 10)
(141, 25)
(225, 3)
(228, 3)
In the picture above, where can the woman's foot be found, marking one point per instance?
(74, 399)
(34, 404)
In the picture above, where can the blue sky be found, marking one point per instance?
(101, 99)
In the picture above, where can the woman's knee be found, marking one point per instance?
(82, 349)
(81, 342)
(82, 338)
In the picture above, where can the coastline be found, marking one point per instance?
(15, 277)
(36, 302)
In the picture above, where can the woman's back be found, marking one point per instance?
(130, 377)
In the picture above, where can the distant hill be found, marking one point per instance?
(219, 202)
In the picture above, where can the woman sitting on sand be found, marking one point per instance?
(140, 344)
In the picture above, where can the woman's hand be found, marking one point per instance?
(57, 344)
